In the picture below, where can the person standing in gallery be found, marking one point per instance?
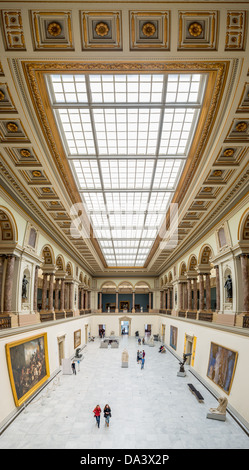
(142, 362)
(107, 414)
(73, 368)
(97, 412)
(138, 356)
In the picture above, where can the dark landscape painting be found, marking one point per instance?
(28, 366)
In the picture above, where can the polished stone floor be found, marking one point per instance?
(152, 408)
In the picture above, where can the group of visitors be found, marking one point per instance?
(107, 414)
(141, 358)
(162, 349)
(139, 341)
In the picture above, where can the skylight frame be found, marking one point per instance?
(91, 156)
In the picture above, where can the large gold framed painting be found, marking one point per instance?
(221, 366)
(28, 366)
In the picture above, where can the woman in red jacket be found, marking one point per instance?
(97, 412)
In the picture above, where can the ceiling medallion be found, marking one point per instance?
(36, 173)
(207, 189)
(217, 173)
(54, 29)
(25, 153)
(1, 95)
(228, 152)
(12, 127)
(148, 29)
(195, 29)
(46, 190)
(102, 29)
(241, 126)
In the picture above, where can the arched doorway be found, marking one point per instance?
(125, 322)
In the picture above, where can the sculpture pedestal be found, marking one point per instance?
(181, 374)
(124, 364)
(218, 416)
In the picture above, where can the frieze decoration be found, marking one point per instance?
(13, 30)
(197, 30)
(149, 30)
(235, 30)
(52, 30)
(101, 30)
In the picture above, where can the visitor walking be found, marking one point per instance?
(142, 362)
(138, 356)
(97, 412)
(73, 368)
(107, 414)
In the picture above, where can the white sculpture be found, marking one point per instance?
(219, 413)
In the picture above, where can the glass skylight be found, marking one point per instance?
(127, 138)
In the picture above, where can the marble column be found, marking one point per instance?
(117, 307)
(100, 301)
(1, 279)
(161, 299)
(44, 291)
(217, 272)
(245, 282)
(185, 299)
(71, 295)
(81, 299)
(180, 296)
(195, 294)
(189, 285)
(35, 289)
(133, 302)
(8, 287)
(164, 299)
(201, 291)
(208, 292)
(56, 294)
(66, 299)
(51, 292)
(149, 300)
(89, 298)
(168, 298)
(62, 303)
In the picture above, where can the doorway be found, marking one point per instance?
(61, 342)
(189, 348)
(147, 329)
(102, 331)
(124, 327)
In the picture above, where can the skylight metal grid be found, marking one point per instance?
(127, 137)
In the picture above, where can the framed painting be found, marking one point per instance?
(28, 366)
(77, 338)
(221, 366)
(173, 336)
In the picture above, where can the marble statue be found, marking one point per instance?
(229, 287)
(219, 413)
(24, 287)
(221, 408)
(125, 358)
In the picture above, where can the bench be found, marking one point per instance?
(196, 393)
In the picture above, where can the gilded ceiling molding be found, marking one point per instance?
(35, 76)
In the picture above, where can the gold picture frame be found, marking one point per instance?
(221, 366)
(28, 366)
(77, 338)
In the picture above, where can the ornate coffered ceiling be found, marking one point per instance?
(123, 37)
